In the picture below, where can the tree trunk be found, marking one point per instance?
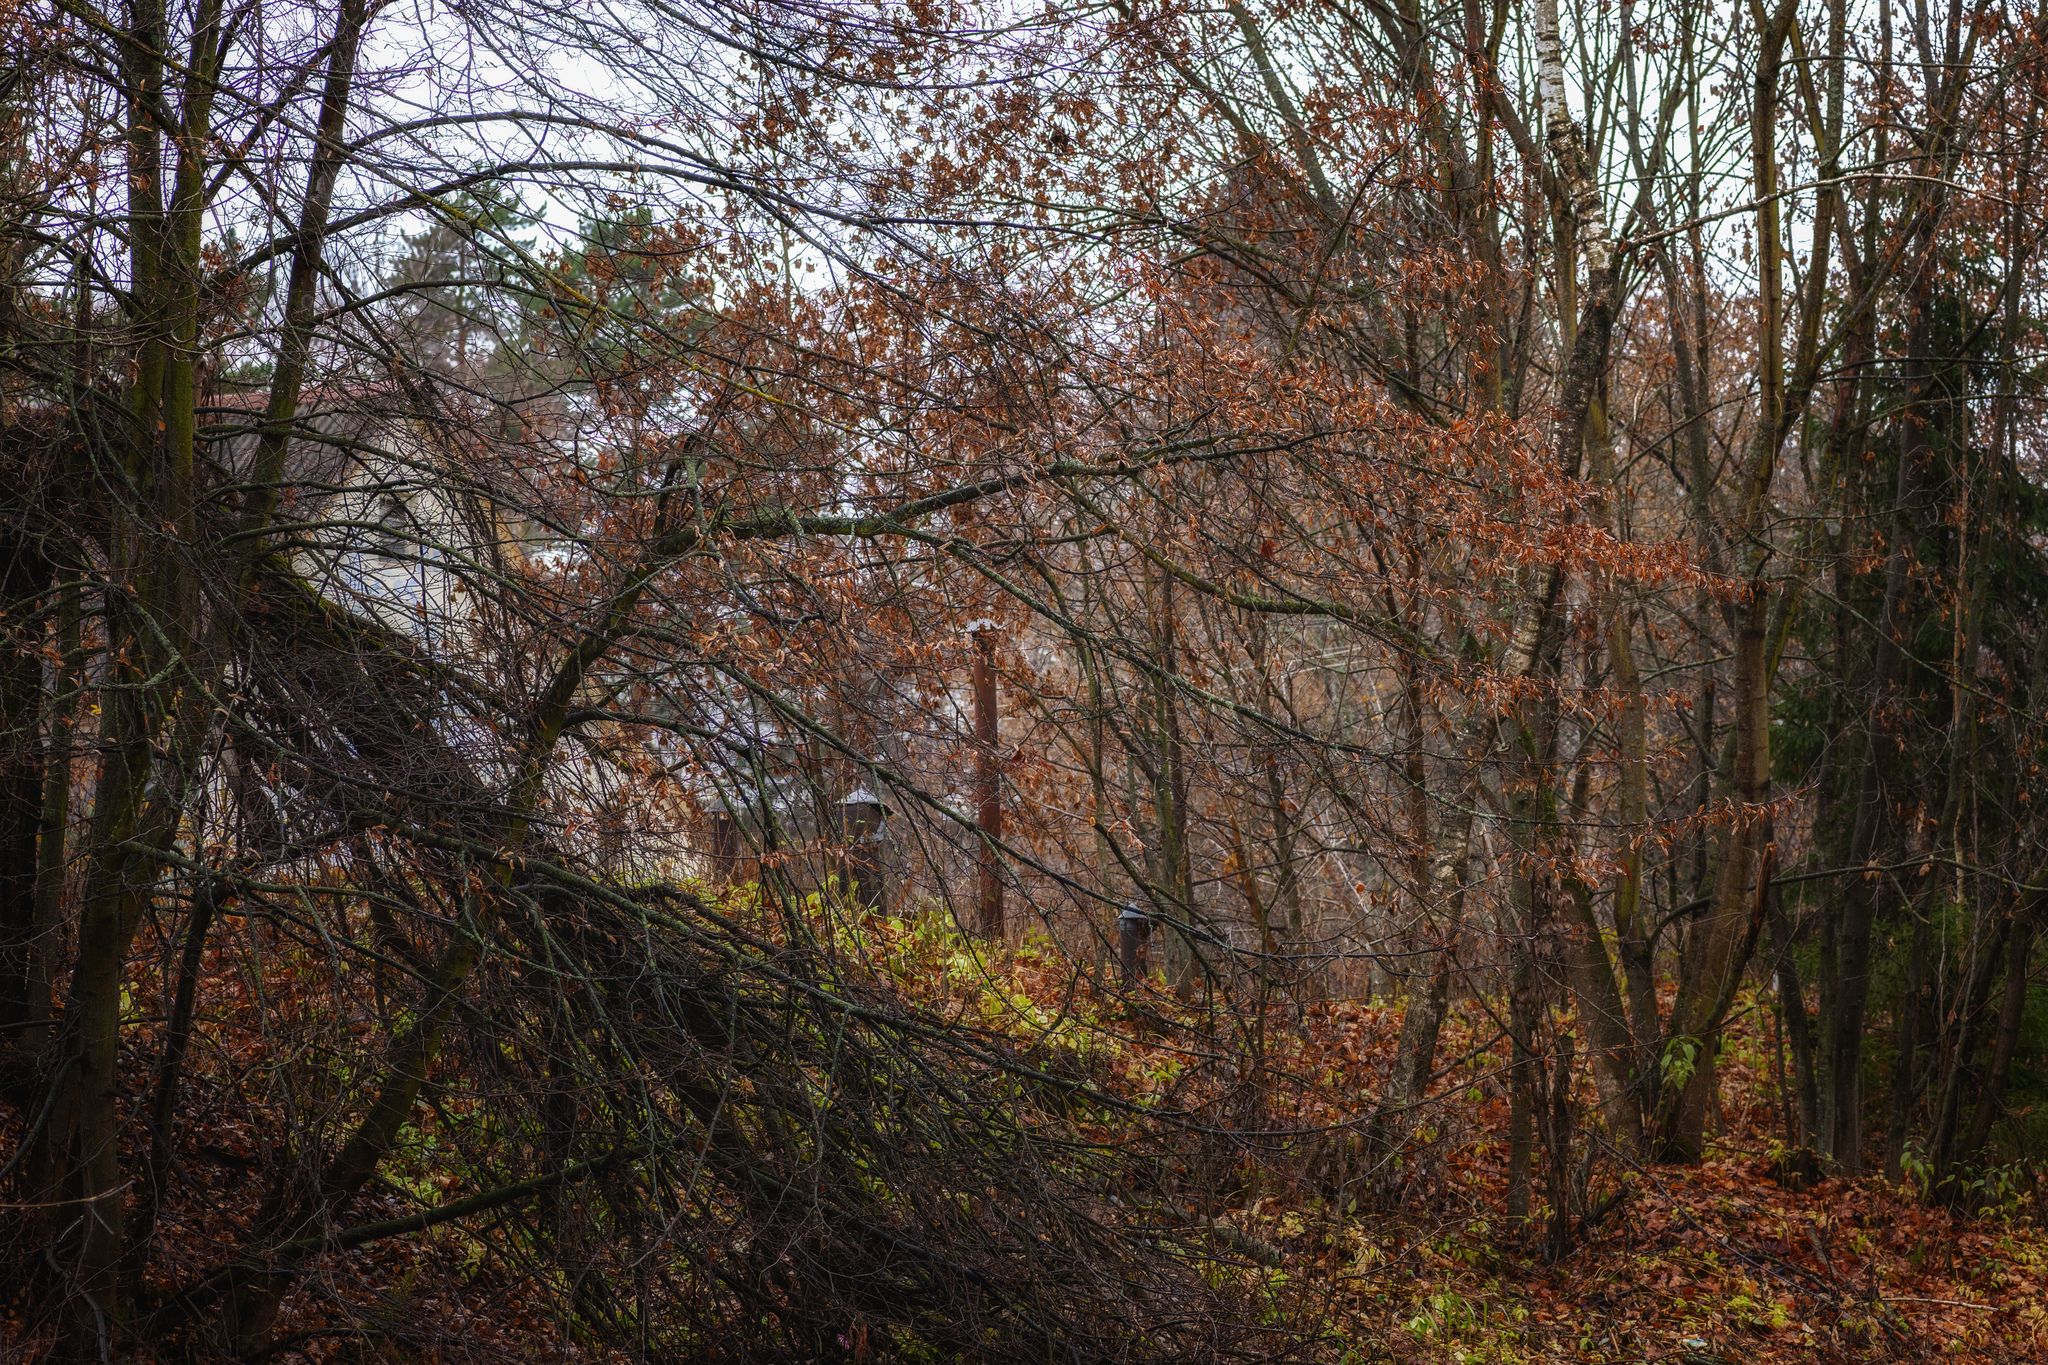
(1719, 948)
(2011, 1011)
(1904, 1077)
(1843, 1142)
(162, 699)
(1798, 1028)
(24, 754)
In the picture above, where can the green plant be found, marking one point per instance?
(1680, 1059)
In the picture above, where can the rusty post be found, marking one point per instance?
(988, 780)
(725, 846)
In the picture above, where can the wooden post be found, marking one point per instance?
(988, 780)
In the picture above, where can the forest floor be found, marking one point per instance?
(1735, 1259)
(1732, 1259)
(1725, 1261)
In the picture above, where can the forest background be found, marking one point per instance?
(1119, 681)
